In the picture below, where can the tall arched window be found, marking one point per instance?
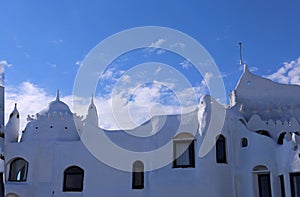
(281, 137)
(221, 149)
(138, 175)
(263, 181)
(295, 184)
(18, 170)
(73, 179)
(184, 151)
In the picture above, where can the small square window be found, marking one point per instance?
(184, 154)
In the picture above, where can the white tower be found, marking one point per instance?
(2, 140)
(92, 116)
(13, 126)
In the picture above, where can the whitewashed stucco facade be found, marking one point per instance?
(257, 145)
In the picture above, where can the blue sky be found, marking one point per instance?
(43, 42)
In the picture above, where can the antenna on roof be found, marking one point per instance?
(241, 57)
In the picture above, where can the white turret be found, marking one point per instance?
(92, 116)
(13, 126)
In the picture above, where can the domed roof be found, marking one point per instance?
(56, 106)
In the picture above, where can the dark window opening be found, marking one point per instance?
(221, 149)
(1, 184)
(243, 121)
(264, 132)
(264, 185)
(295, 184)
(138, 175)
(244, 142)
(282, 185)
(18, 170)
(184, 154)
(281, 137)
(73, 179)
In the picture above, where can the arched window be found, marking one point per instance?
(73, 179)
(263, 180)
(221, 149)
(244, 142)
(138, 175)
(11, 195)
(281, 137)
(263, 132)
(184, 151)
(18, 170)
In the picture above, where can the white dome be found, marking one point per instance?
(56, 106)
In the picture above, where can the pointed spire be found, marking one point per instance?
(92, 99)
(241, 57)
(246, 68)
(15, 105)
(57, 95)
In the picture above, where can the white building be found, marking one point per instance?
(255, 153)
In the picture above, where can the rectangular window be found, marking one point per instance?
(184, 154)
(282, 185)
(295, 184)
(264, 185)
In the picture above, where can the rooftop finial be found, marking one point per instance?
(241, 58)
(92, 98)
(15, 105)
(57, 95)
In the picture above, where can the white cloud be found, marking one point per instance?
(251, 69)
(155, 47)
(158, 43)
(289, 73)
(179, 45)
(185, 64)
(30, 99)
(207, 77)
(3, 64)
(52, 65)
(78, 62)
(114, 111)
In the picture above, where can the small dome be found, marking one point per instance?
(56, 106)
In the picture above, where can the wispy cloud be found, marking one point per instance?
(3, 64)
(125, 109)
(52, 65)
(158, 43)
(56, 42)
(289, 73)
(155, 47)
(78, 62)
(185, 64)
(251, 69)
(178, 45)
